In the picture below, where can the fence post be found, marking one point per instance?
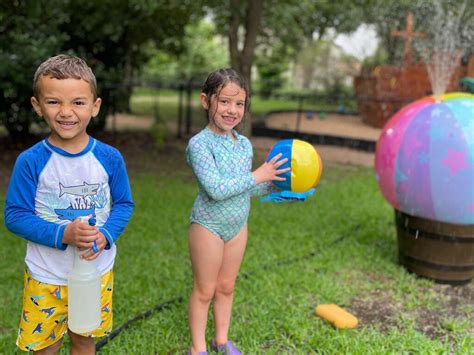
(299, 113)
(180, 111)
(188, 108)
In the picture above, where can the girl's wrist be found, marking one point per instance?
(256, 177)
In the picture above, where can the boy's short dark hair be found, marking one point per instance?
(65, 66)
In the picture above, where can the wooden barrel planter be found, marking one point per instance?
(439, 251)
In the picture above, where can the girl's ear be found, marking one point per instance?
(204, 102)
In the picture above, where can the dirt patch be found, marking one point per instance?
(350, 126)
(378, 309)
(124, 122)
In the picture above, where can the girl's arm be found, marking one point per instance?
(264, 188)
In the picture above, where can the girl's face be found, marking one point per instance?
(227, 108)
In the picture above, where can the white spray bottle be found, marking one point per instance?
(83, 293)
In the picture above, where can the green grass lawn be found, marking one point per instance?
(337, 247)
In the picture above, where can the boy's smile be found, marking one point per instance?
(67, 106)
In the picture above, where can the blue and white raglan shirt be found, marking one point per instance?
(50, 187)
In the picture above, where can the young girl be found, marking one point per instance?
(221, 160)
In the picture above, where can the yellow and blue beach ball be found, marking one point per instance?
(304, 161)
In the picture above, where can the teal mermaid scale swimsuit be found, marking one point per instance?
(223, 169)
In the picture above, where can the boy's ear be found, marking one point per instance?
(204, 102)
(96, 107)
(36, 106)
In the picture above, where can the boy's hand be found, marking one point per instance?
(269, 171)
(82, 235)
(101, 243)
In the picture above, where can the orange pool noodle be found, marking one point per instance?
(337, 316)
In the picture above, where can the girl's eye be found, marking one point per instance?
(241, 104)
(224, 101)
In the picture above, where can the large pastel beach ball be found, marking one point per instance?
(425, 159)
(304, 161)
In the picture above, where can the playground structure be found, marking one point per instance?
(385, 89)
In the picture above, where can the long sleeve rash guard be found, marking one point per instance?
(49, 188)
(222, 168)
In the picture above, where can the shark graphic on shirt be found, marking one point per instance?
(70, 213)
(80, 190)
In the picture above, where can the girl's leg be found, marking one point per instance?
(233, 255)
(81, 345)
(206, 251)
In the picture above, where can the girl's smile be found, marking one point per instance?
(227, 108)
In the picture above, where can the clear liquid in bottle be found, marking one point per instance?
(83, 293)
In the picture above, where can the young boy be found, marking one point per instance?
(67, 175)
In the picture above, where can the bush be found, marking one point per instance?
(159, 132)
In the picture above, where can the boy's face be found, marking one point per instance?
(67, 106)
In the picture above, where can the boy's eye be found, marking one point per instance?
(80, 103)
(51, 102)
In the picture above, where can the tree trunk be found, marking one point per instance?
(241, 60)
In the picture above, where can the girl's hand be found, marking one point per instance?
(269, 171)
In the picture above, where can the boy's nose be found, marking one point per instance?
(65, 111)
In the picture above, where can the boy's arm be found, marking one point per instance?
(218, 187)
(20, 217)
(122, 203)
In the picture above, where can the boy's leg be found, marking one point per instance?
(206, 251)
(81, 345)
(233, 254)
(50, 350)
(44, 316)
(85, 343)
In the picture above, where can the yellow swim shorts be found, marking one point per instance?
(44, 315)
